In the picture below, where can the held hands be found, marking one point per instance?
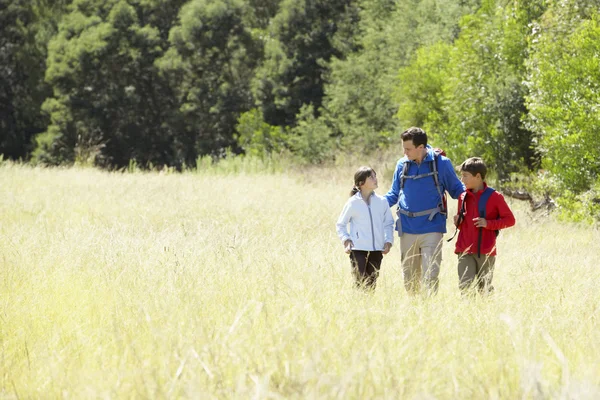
(348, 245)
(456, 220)
(386, 248)
(480, 222)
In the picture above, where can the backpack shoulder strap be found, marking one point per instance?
(462, 198)
(485, 196)
(404, 173)
(438, 186)
(461, 213)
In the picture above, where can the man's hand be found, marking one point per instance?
(386, 247)
(348, 245)
(480, 222)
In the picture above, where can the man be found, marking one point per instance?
(420, 181)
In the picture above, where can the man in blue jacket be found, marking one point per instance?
(421, 179)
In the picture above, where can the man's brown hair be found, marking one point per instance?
(417, 135)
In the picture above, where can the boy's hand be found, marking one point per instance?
(348, 245)
(386, 247)
(480, 222)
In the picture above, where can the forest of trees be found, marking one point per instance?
(164, 82)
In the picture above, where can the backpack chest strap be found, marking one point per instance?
(420, 175)
(431, 212)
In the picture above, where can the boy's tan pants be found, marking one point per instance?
(476, 271)
(421, 259)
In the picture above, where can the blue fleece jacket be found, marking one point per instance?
(421, 194)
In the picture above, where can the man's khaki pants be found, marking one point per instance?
(421, 259)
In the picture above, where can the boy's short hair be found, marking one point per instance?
(474, 166)
(417, 135)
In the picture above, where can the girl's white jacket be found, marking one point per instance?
(371, 226)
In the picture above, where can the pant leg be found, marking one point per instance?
(411, 262)
(467, 271)
(373, 265)
(358, 261)
(431, 259)
(485, 273)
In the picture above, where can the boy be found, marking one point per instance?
(482, 212)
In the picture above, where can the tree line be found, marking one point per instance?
(164, 82)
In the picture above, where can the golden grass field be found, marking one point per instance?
(234, 286)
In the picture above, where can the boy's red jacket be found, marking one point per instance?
(497, 214)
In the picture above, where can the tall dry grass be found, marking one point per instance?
(209, 285)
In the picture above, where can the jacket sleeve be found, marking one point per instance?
(342, 222)
(388, 225)
(506, 219)
(392, 195)
(449, 179)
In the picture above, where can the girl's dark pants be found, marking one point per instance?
(365, 267)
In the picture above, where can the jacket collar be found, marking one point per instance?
(428, 155)
(358, 195)
(470, 191)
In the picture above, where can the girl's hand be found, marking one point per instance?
(456, 220)
(480, 222)
(348, 245)
(386, 247)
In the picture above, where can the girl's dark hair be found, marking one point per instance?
(360, 177)
(474, 166)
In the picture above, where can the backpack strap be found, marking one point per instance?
(485, 196)
(442, 206)
(461, 214)
(481, 206)
(404, 174)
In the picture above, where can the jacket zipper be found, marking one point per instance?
(372, 232)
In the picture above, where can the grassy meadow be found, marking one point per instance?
(216, 286)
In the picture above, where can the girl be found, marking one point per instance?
(371, 228)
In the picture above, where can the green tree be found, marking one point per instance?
(110, 104)
(420, 92)
(301, 42)
(362, 96)
(25, 29)
(210, 64)
(258, 138)
(564, 81)
(475, 105)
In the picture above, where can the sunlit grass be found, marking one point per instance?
(213, 285)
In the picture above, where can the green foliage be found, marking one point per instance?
(485, 94)
(310, 139)
(151, 83)
(470, 96)
(301, 44)
(258, 15)
(25, 29)
(361, 98)
(108, 95)
(257, 138)
(210, 66)
(420, 92)
(564, 76)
